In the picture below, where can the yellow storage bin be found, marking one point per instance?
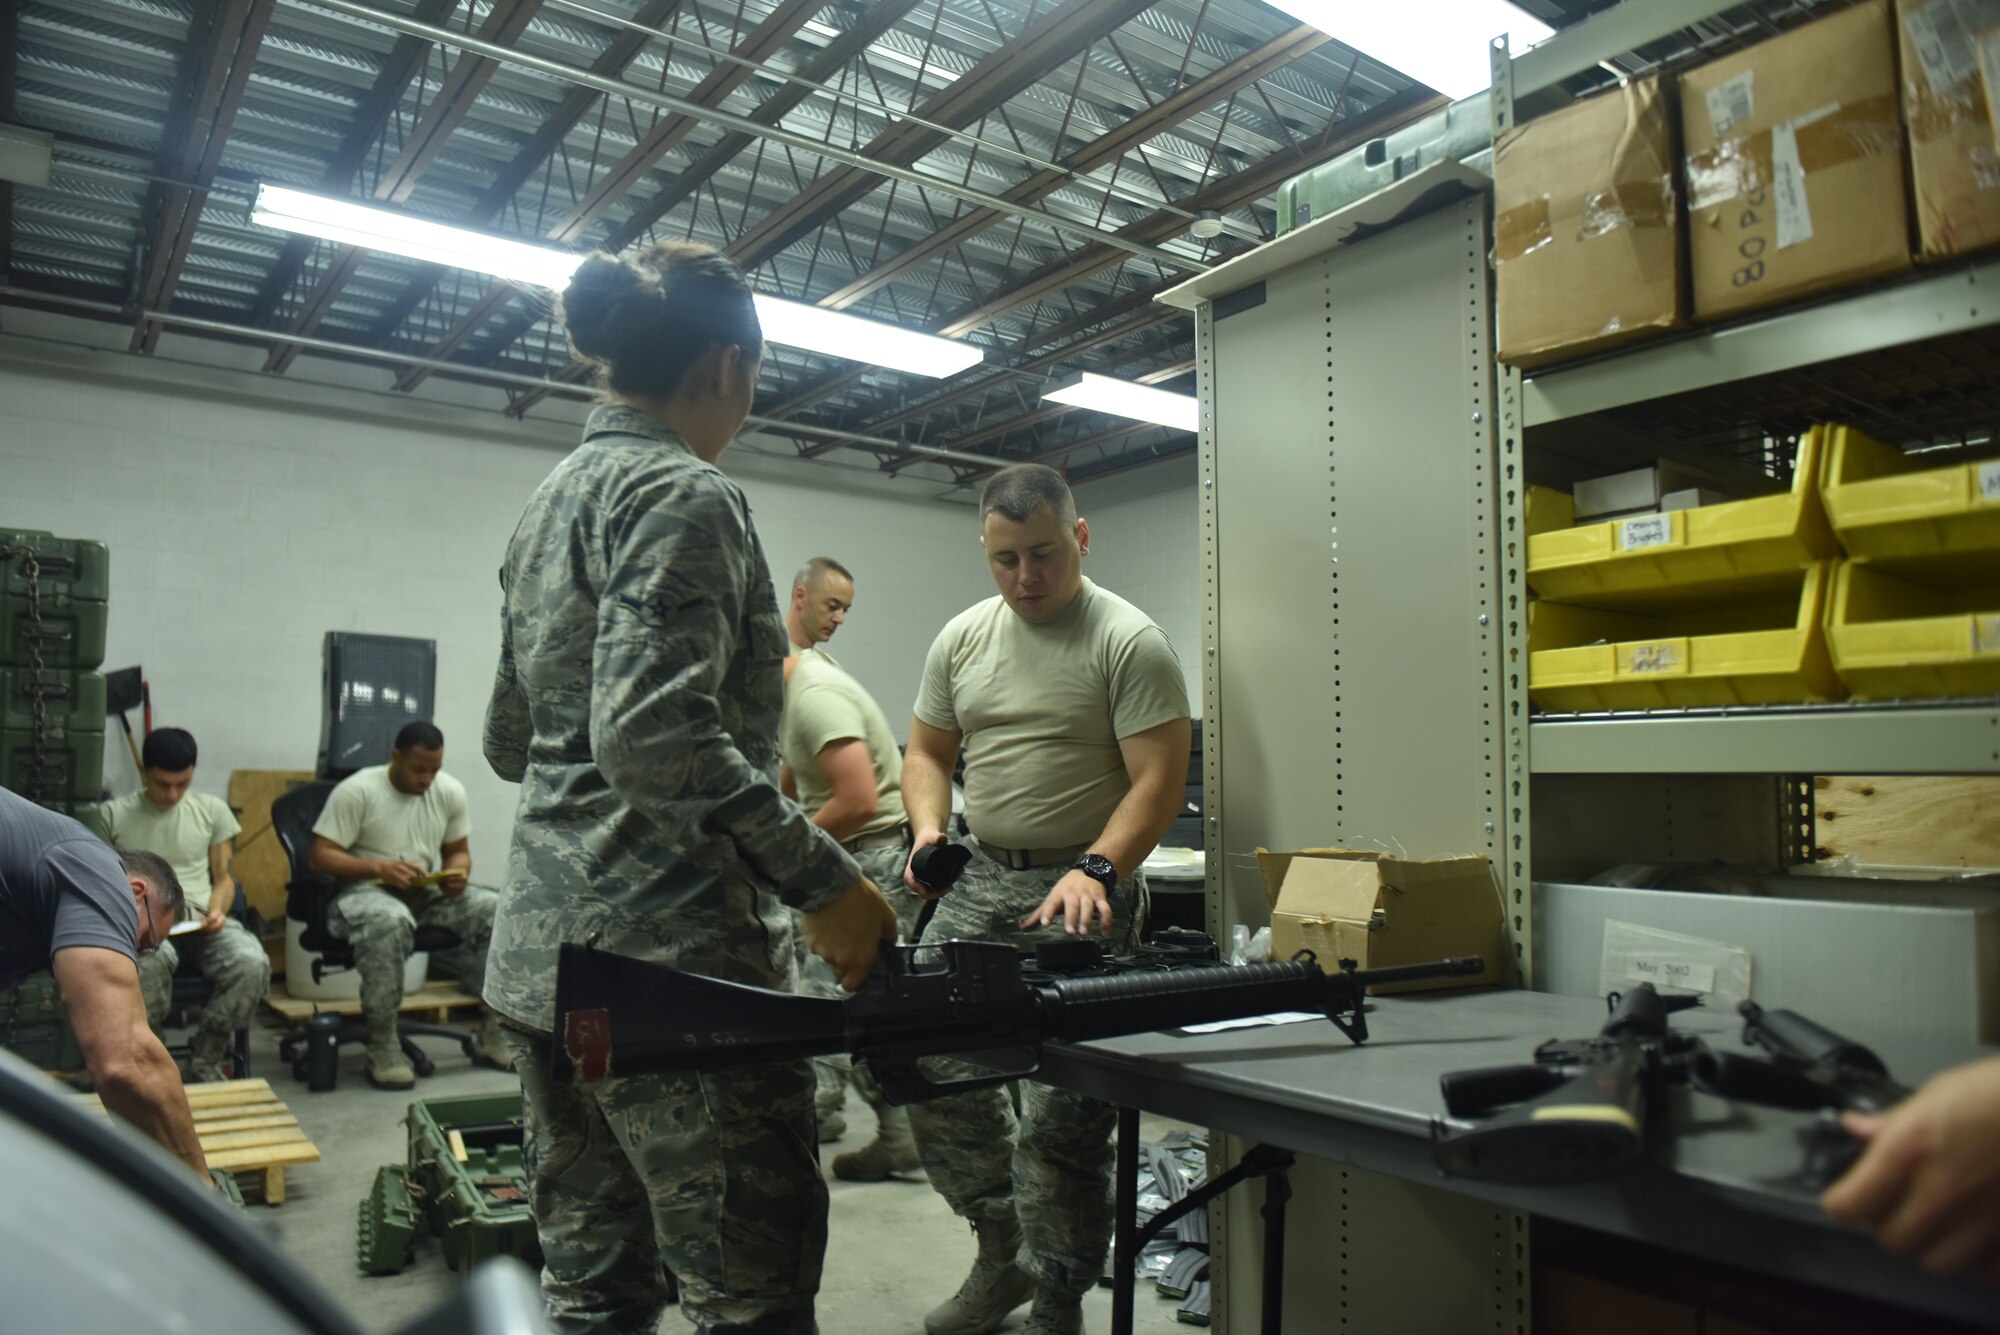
(1752, 548)
(1939, 524)
(1734, 651)
(1896, 638)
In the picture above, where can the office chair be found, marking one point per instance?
(192, 990)
(308, 896)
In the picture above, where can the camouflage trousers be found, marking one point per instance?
(831, 1075)
(1050, 1165)
(712, 1178)
(232, 960)
(382, 926)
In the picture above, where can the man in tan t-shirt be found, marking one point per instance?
(841, 764)
(1073, 713)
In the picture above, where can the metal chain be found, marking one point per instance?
(38, 707)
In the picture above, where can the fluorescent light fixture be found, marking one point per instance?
(400, 234)
(837, 334)
(1443, 44)
(795, 324)
(1125, 399)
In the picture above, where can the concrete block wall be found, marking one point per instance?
(247, 517)
(1147, 549)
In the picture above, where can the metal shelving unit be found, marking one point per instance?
(1366, 602)
(1924, 737)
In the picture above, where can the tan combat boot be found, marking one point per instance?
(207, 1055)
(1055, 1314)
(892, 1153)
(996, 1286)
(388, 1068)
(489, 1047)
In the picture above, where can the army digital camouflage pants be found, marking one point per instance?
(231, 959)
(712, 1177)
(382, 926)
(1050, 1166)
(884, 866)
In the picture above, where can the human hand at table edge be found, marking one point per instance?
(1928, 1183)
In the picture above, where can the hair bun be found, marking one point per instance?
(599, 300)
(645, 317)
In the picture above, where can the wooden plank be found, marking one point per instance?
(206, 1114)
(1908, 821)
(260, 861)
(440, 996)
(263, 1156)
(274, 1185)
(273, 1140)
(221, 1124)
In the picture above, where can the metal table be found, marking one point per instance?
(1724, 1183)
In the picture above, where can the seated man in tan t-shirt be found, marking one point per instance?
(1073, 712)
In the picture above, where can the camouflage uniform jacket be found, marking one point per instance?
(637, 703)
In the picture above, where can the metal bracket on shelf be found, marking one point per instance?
(1796, 820)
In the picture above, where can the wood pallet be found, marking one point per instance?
(434, 1001)
(244, 1128)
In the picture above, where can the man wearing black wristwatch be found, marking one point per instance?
(1073, 713)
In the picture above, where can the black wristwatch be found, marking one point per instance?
(1098, 868)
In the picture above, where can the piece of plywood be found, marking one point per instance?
(1908, 821)
(260, 861)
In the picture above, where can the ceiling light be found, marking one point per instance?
(1443, 44)
(1125, 399)
(1207, 224)
(26, 156)
(795, 324)
(400, 234)
(837, 334)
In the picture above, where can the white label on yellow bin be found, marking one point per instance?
(1986, 633)
(1643, 531)
(1988, 481)
(1663, 657)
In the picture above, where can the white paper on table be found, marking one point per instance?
(1251, 1022)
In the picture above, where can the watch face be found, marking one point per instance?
(1097, 865)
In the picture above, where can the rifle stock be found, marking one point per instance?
(958, 998)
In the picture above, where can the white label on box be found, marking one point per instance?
(1988, 481)
(1986, 633)
(1989, 69)
(1788, 179)
(1675, 964)
(1731, 103)
(1643, 531)
(1942, 42)
(1665, 657)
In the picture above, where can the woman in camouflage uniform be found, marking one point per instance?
(637, 704)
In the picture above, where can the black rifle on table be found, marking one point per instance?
(1580, 1114)
(1809, 1068)
(966, 999)
(1580, 1111)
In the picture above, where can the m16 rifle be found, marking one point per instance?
(1580, 1113)
(965, 999)
(1811, 1069)
(1581, 1109)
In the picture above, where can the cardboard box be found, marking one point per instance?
(1587, 232)
(1379, 910)
(1794, 169)
(260, 861)
(1954, 169)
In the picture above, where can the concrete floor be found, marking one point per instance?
(895, 1250)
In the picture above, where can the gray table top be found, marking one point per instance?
(1724, 1182)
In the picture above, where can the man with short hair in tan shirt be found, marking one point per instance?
(842, 766)
(1073, 712)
